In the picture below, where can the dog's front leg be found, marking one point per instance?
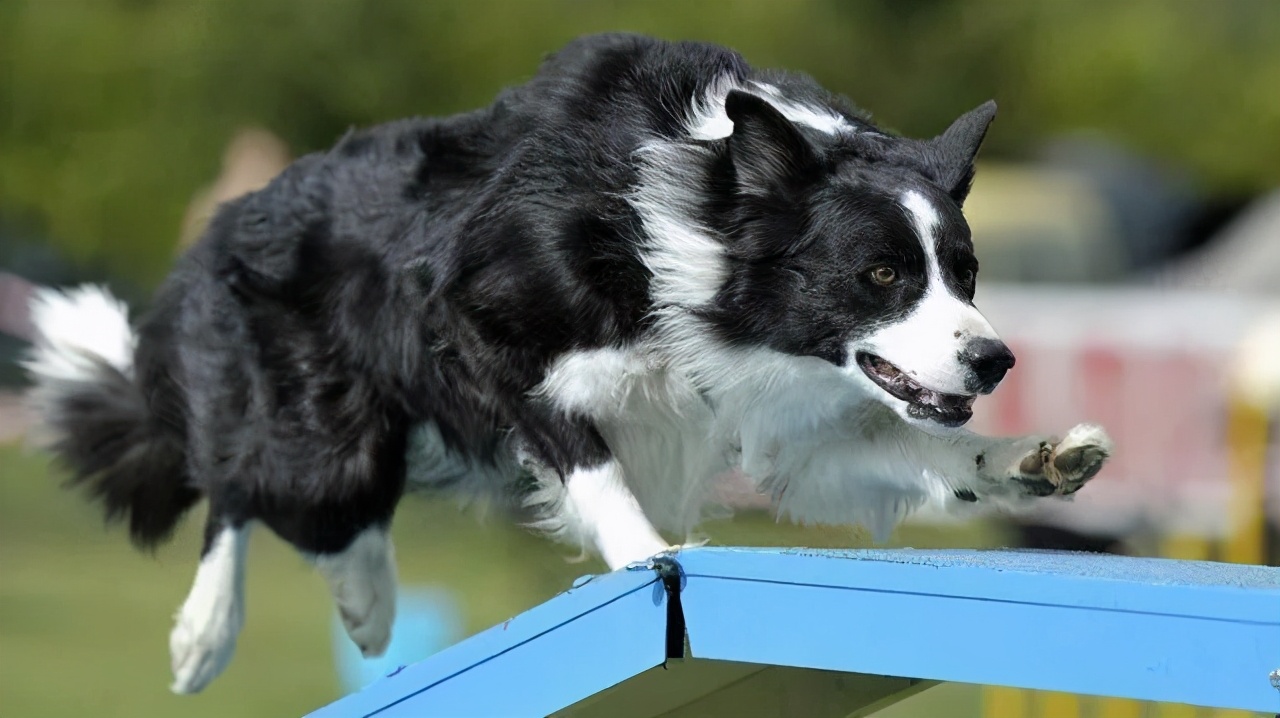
(975, 467)
(879, 471)
(611, 517)
(592, 507)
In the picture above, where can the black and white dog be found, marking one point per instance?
(648, 266)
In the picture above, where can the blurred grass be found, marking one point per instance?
(84, 619)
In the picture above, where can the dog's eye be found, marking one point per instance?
(884, 276)
(967, 277)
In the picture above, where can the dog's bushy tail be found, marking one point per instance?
(95, 417)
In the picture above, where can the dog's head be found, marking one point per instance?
(851, 247)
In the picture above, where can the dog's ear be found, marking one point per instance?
(767, 151)
(952, 153)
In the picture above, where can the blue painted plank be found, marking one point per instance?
(1188, 632)
(1201, 588)
(1191, 632)
(583, 641)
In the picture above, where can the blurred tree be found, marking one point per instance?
(114, 112)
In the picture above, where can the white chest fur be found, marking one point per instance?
(674, 426)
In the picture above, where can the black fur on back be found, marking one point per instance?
(427, 270)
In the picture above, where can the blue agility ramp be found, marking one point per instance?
(722, 631)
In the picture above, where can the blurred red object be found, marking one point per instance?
(1159, 370)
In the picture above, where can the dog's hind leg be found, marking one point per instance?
(206, 627)
(343, 528)
(362, 579)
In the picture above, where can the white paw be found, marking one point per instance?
(205, 629)
(1061, 468)
(667, 550)
(201, 645)
(368, 623)
(362, 580)
(620, 550)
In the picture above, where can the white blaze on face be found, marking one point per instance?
(926, 344)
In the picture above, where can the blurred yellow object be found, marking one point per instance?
(1120, 708)
(1188, 547)
(1059, 705)
(1247, 425)
(1255, 387)
(1004, 702)
(1033, 223)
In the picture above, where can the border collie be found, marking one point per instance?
(648, 266)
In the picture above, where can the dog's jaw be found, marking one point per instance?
(922, 402)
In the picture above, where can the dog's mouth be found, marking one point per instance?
(922, 402)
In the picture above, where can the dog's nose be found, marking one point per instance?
(988, 360)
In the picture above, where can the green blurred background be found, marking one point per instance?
(116, 118)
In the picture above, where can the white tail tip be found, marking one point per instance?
(76, 329)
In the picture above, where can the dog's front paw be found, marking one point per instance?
(665, 553)
(1061, 468)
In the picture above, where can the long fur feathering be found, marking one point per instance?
(95, 417)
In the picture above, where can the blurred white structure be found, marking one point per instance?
(1243, 257)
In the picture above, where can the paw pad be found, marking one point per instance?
(1063, 467)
